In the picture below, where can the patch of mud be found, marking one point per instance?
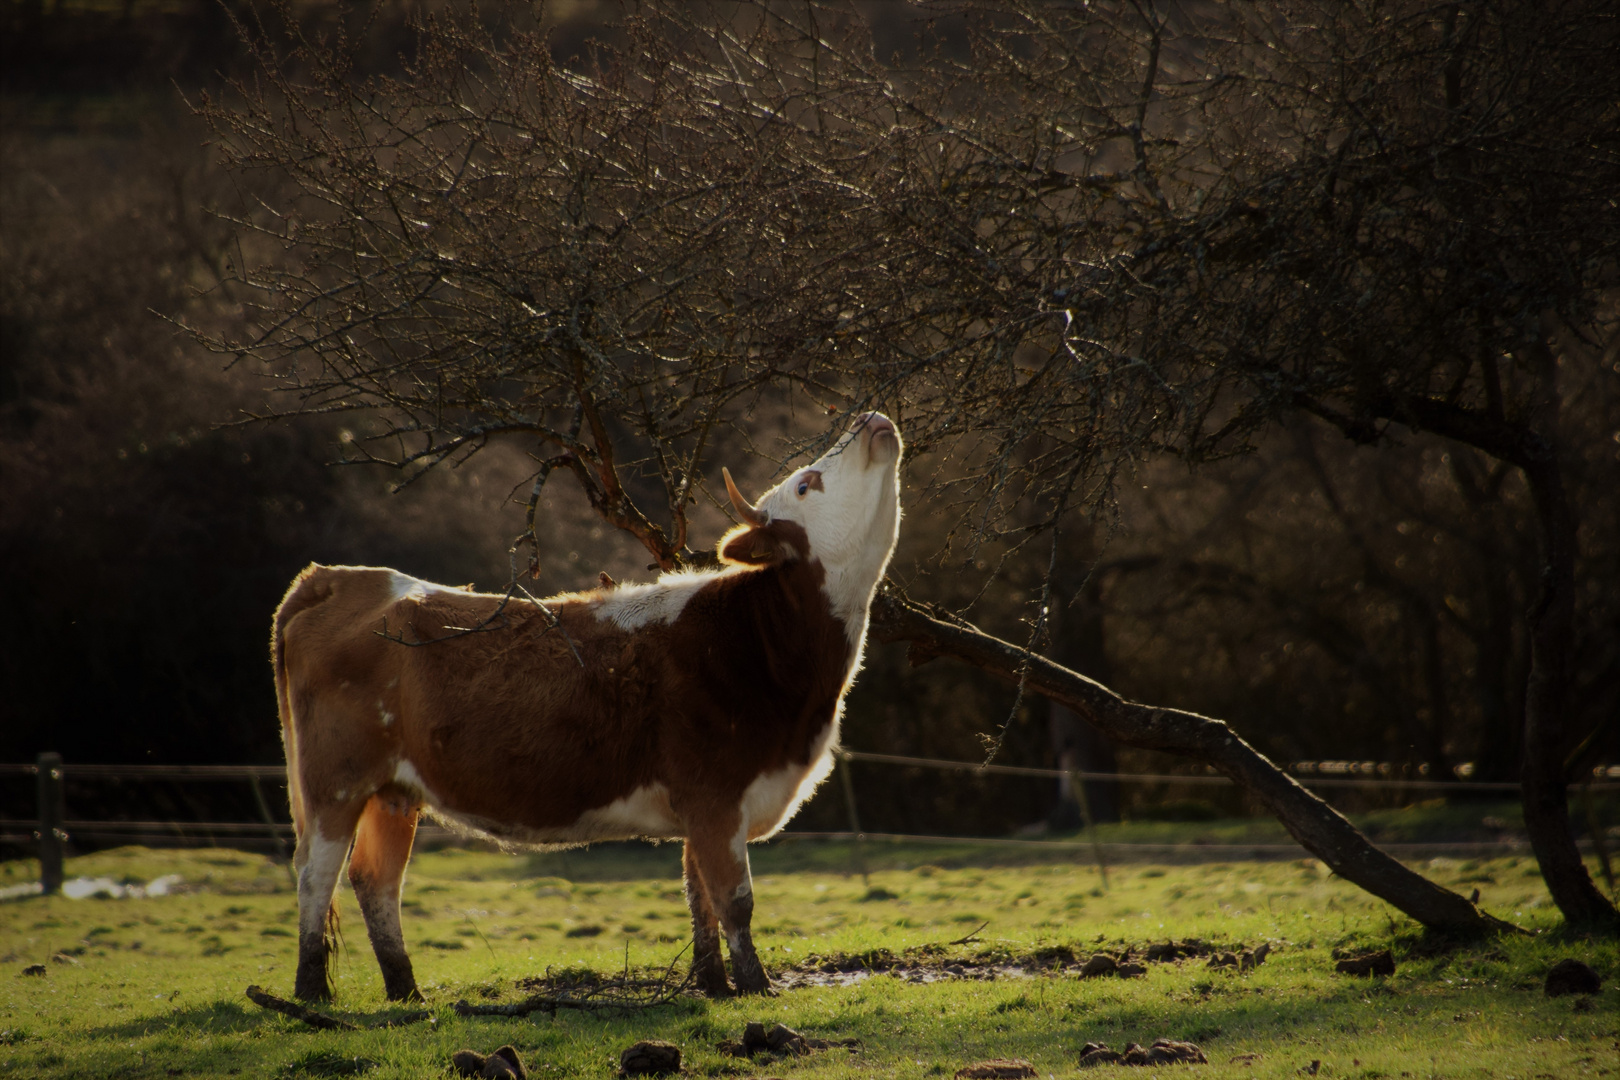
(930, 964)
(934, 963)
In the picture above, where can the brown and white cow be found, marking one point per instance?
(703, 706)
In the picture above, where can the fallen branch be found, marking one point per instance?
(1319, 828)
(322, 1021)
(291, 1008)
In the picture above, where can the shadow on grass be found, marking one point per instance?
(233, 1018)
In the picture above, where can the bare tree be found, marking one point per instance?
(1084, 236)
(1375, 214)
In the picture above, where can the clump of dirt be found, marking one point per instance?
(568, 978)
(650, 1057)
(33, 969)
(1162, 1052)
(1170, 951)
(997, 1069)
(781, 1040)
(1572, 977)
(1243, 960)
(503, 1064)
(1099, 965)
(1381, 962)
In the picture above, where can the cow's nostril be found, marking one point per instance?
(873, 423)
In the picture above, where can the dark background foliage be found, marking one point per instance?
(1332, 601)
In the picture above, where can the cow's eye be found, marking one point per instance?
(804, 488)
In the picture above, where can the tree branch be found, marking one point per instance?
(1320, 829)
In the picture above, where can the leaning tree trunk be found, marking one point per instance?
(1323, 831)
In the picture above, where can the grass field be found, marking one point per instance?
(154, 986)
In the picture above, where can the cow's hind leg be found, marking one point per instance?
(382, 846)
(321, 850)
(722, 858)
(708, 966)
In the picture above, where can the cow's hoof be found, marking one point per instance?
(755, 983)
(709, 976)
(409, 996)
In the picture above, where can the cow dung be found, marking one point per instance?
(1381, 962)
(780, 1039)
(1162, 1052)
(996, 1069)
(650, 1057)
(34, 969)
(503, 1064)
(1572, 977)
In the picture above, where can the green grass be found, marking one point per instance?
(156, 989)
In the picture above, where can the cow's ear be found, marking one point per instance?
(749, 546)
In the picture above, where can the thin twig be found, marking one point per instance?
(970, 937)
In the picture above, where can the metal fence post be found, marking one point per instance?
(51, 833)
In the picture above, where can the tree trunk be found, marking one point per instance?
(1544, 783)
(1317, 826)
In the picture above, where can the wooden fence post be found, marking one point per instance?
(51, 833)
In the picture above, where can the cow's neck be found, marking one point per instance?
(849, 590)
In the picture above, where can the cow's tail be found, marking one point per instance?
(303, 594)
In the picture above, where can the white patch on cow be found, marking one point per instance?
(645, 812)
(630, 607)
(774, 797)
(383, 714)
(316, 880)
(405, 587)
(852, 519)
(406, 776)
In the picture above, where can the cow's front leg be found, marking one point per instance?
(708, 966)
(722, 858)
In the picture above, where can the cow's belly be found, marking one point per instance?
(643, 813)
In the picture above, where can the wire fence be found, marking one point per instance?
(52, 830)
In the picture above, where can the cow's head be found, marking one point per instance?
(843, 510)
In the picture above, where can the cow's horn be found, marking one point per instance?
(745, 510)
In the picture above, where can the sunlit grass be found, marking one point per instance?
(156, 984)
